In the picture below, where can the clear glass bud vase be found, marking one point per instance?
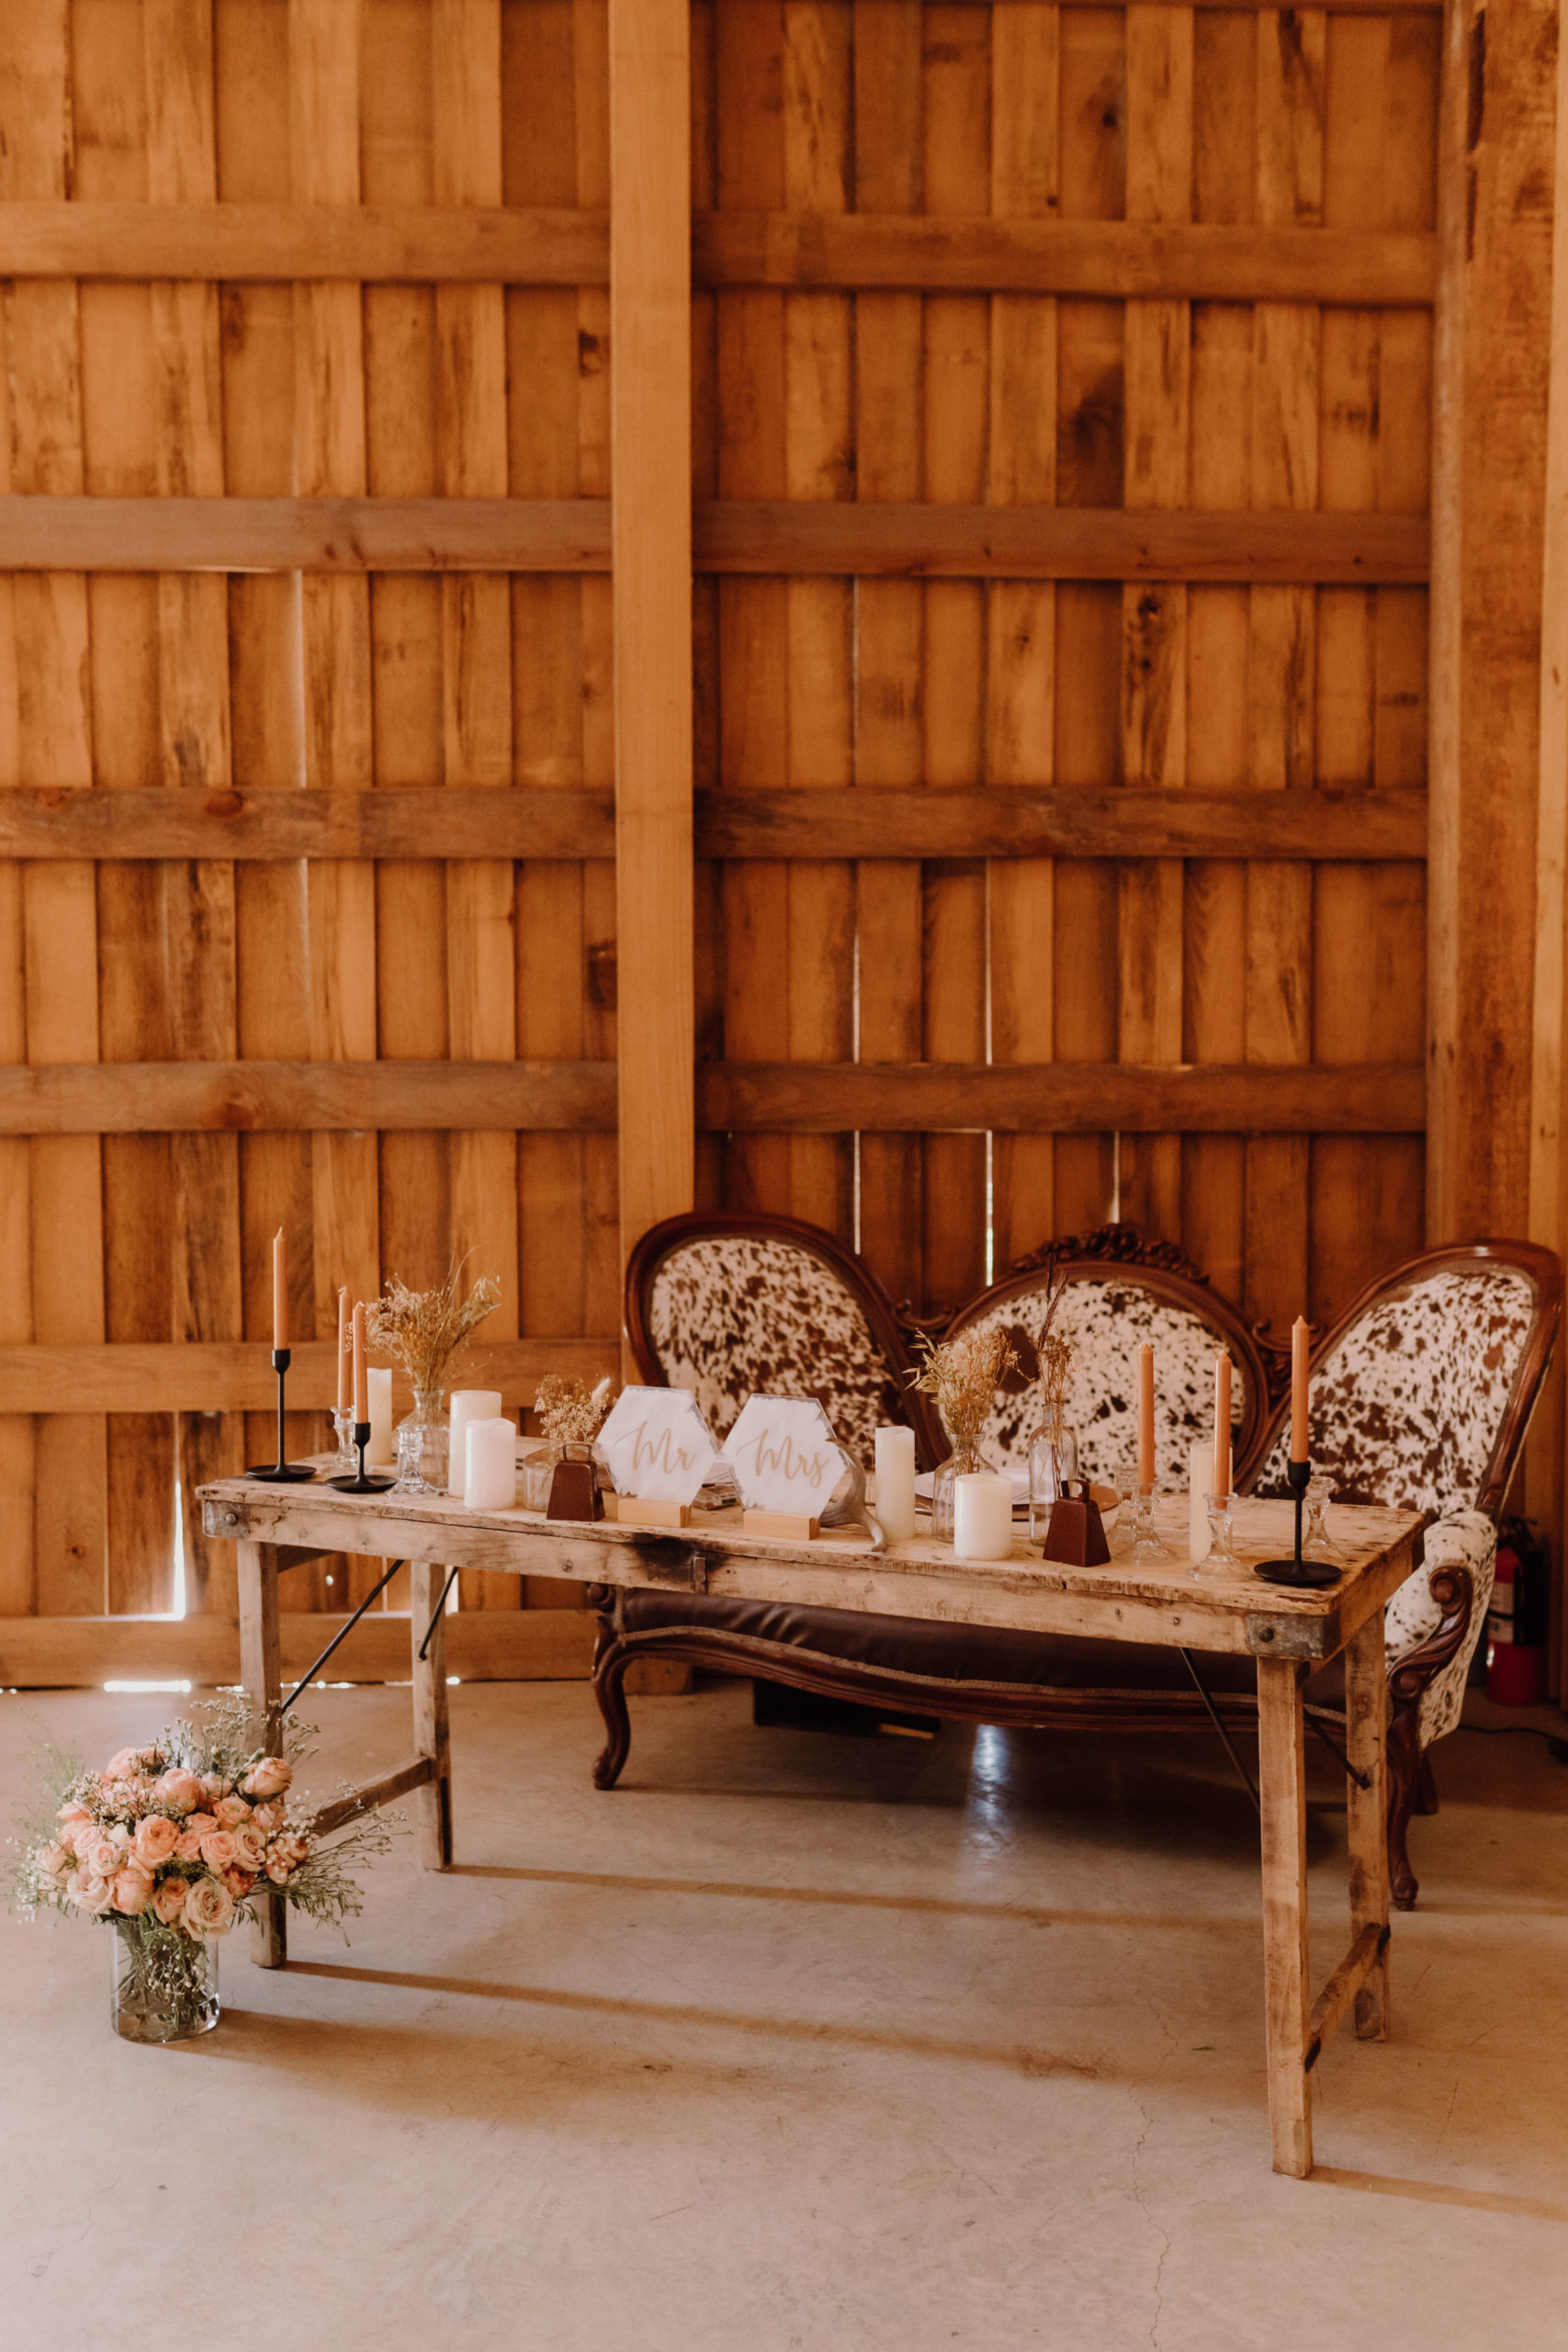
(163, 1983)
(1053, 1459)
(424, 1439)
(961, 1464)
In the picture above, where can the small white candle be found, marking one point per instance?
(379, 1385)
(1200, 1486)
(896, 1483)
(489, 1465)
(468, 1405)
(982, 1516)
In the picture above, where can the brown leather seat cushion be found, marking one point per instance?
(964, 1654)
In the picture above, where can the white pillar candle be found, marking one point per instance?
(468, 1405)
(896, 1483)
(982, 1516)
(1200, 1486)
(378, 1382)
(489, 1465)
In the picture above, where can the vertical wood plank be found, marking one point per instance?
(650, 437)
(888, 103)
(1281, 1786)
(432, 1732)
(59, 898)
(261, 1673)
(1021, 615)
(199, 906)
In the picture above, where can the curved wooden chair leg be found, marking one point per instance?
(609, 1688)
(1425, 1786)
(1403, 1773)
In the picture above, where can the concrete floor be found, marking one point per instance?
(803, 2041)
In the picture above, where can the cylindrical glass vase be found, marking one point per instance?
(963, 1463)
(1053, 1459)
(422, 1439)
(163, 1984)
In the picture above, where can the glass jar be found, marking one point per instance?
(961, 1464)
(1316, 1542)
(163, 1985)
(424, 1437)
(1053, 1459)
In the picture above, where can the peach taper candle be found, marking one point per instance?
(1300, 1347)
(1221, 1424)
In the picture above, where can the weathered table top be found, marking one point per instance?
(1165, 1602)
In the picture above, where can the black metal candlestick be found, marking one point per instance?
(281, 1471)
(1298, 1571)
(362, 1482)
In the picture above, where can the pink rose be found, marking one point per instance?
(133, 1892)
(214, 1786)
(200, 1822)
(96, 1894)
(100, 1856)
(279, 1868)
(73, 1816)
(188, 1847)
(269, 1776)
(250, 1847)
(268, 1817)
(231, 1812)
(181, 1791)
(53, 1860)
(169, 1900)
(239, 1883)
(208, 1908)
(218, 1849)
(155, 1840)
(122, 1766)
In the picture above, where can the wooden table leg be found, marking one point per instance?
(261, 1671)
(1366, 1744)
(1281, 1772)
(431, 1738)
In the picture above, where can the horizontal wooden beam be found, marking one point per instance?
(1029, 821)
(781, 538)
(1000, 821)
(251, 243)
(1095, 258)
(1058, 543)
(176, 1097)
(371, 1795)
(1059, 1098)
(482, 1645)
(431, 244)
(1045, 1098)
(236, 1375)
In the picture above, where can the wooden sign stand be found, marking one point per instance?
(791, 1524)
(629, 1511)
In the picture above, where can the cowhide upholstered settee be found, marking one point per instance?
(1422, 1393)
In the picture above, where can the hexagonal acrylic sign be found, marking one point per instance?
(657, 1446)
(784, 1455)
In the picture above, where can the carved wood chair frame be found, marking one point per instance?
(889, 1330)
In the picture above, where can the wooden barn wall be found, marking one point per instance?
(1305, 122)
(1061, 387)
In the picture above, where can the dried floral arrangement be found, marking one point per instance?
(1055, 1356)
(170, 1843)
(570, 1411)
(426, 1331)
(961, 1376)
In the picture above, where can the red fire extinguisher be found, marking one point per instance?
(1516, 1630)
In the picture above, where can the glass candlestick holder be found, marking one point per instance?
(343, 1463)
(1223, 1558)
(1316, 1542)
(1125, 1478)
(1144, 1544)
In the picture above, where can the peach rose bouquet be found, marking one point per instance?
(174, 1842)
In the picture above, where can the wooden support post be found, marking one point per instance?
(1282, 1773)
(1366, 1744)
(432, 1801)
(652, 534)
(261, 1671)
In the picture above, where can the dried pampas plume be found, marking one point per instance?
(962, 1375)
(426, 1331)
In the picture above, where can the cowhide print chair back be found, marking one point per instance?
(1422, 1393)
(731, 1304)
(1120, 1291)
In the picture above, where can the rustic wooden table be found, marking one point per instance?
(1288, 1633)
